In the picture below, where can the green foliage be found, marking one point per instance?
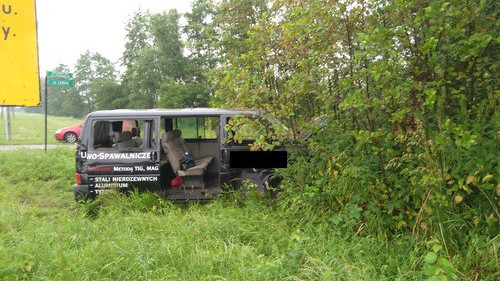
(435, 267)
(201, 37)
(173, 95)
(141, 80)
(62, 101)
(107, 94)
(259, 133)
(46, 235)
(138, 37)
(89, 68)
(95, 88)
(409, 94)
(407, 145)
(166, 39)
(158, 73)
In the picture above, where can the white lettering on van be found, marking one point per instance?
(122, 169)
(111, 185)
(102, 179)
(135, 179)
(152, 168)
(117, 156)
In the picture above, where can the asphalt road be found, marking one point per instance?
(34, 146)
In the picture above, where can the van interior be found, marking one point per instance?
(196, 138)
(178, 138)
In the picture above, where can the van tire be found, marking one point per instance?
(81, 193)
(271, 185)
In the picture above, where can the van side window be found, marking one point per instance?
(119, 134)
(197, 127)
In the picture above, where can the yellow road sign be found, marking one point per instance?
(19, 78)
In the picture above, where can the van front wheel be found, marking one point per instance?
(81, 192)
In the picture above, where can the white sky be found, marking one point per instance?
(68, 28)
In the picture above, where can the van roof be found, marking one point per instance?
(172, 112)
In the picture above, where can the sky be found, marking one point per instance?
(68, 28)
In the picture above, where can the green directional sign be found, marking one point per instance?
(59, 74)
(52, 82)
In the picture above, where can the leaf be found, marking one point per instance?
(458, 199)
(436, 248)
(431, 270)
(444, 262)
(470, 179)
(487, 178)
(442, 278)
(430, 257)
(28, 267)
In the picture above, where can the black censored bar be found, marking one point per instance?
(258, 159)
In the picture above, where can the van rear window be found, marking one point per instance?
(119, 134)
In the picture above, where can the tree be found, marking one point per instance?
(407, 91)
(185, 95)
(233, 20)
(157, 71)
(138, 37)
(91, 66)
(141, 76)
(183, 87)
(167, 41)
(64, 101)
(107, 94)
(203, 55)
(201, 38)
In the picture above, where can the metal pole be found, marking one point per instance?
(8, 132)
(46, 103)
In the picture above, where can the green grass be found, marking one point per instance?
(45, 235)
(28, 128)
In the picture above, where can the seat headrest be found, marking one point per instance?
(178, 133)
(123, 136)
(134, 132)
(168, 136)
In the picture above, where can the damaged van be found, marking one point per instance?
(186, 154)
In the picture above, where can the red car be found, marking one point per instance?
(69, 134)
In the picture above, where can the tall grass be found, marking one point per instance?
(45, 235)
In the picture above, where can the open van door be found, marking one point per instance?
(239, 162)
(122, 154)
